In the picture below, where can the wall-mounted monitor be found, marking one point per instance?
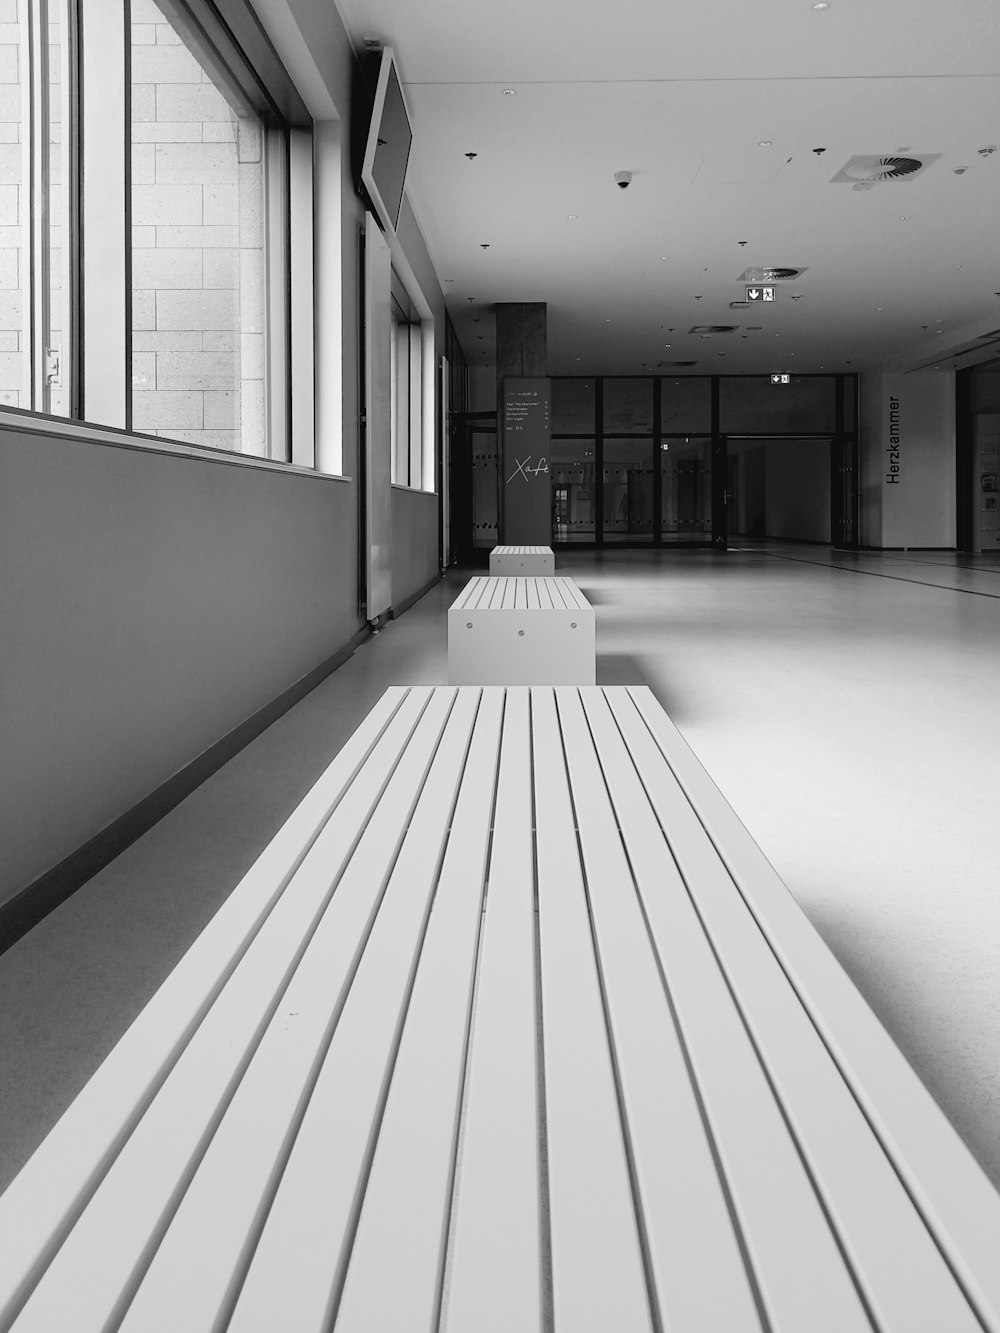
(387, 151)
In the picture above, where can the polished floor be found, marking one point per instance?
(844, 703)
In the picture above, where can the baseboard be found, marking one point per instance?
(396, 611)
(32, 904)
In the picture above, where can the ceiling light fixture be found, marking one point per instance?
(509, 92)
(821, 4)
(764, 143)
(572, 216)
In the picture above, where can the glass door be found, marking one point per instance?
(685, 489)
(628, 491)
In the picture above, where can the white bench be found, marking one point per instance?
(511, 1025)
(539, 560)
(521, 631)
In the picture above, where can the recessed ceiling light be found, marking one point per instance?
(821, 4)
(572, 216)
(509, 92)
(764, 143)
(906, 219)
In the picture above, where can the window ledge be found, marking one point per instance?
(62, 428)
(414, 490)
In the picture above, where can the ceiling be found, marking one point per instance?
(718, 109)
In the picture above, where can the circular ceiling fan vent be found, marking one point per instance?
(882, 168)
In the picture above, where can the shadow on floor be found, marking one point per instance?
(621, 669)
(597, 596)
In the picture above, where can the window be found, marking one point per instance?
(149, 235)
(404, 354)
(206, 358)
(412, 390)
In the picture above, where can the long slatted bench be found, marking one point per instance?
(511, 1027)
(521, 631)
(523, 560)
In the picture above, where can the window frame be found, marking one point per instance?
(96, 239)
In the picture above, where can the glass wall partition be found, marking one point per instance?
(753, 405)
(642, 460)
(573, 499)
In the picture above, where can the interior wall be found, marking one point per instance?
(984, 389)
(908, 459)
(416, 562)
(871, 478)
(151, 603)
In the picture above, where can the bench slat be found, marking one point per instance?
(298, 1265)
(38, 1209)
(90, 1282)
(697, 1267)
(403, 1227)
(954, 1196)
(894, 1258)
(598, 1279)
(796, 1263)
(493, 1281)
(193, 1278)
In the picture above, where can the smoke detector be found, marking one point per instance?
(875, 167)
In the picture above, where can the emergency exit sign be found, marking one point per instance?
(756, 293)
(781, 379)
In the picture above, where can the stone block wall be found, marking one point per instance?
(198, 271)
(13, 202)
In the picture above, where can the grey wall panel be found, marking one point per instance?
(149, 604)
(414, 543)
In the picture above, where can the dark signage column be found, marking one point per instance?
(526, 494)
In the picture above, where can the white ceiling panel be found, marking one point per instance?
(717, 109)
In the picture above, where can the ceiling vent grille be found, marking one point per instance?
(772, 273)
(873, 168)
(707, 329)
